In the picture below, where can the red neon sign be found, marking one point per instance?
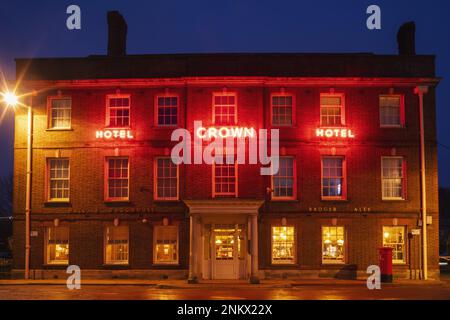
(108, 134)
(334, 133)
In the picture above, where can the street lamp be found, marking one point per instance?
(12, 100)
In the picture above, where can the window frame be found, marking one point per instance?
(293, 111)
(155, 181)
(166, 95)
(401, 111)
(294, 184)
(108, 112)
(165, 263)
(236, 183)
(214, 95)
(48, 182)
(344, 177)
(46, 245)
(106, 182)
(50, 109)
(295, 245)
(405, 249)
(404, 179)
(343, 107)
(334, 262)
(105, 244)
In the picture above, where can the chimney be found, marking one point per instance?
(406, 39)
(117, 34)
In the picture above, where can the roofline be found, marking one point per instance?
(233, 80)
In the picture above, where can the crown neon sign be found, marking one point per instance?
(334, 133)
(225, 132)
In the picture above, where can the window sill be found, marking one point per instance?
(57, 129)
(55, 265)
(167, 200)
(116, 266)
(160, 264)
(393, 127)
(57, 204)
(394, 200)
(334, 200)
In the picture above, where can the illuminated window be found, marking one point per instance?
(224, 109)
(60, 113)
(282, 110)
(167, 111)
(393, 178)
(116, 250)
(58, 179)
(283, 245)
(333, 245)
(391, 111)
(331, 110)
(394, 237)
(118, 179)
(118, 111)
(284, 180)
(166, 179)
(57, 245)
(166, 244)
(333, 178)
(224, 180)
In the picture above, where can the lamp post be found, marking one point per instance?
(12, 100)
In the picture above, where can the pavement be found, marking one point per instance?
(308, 289)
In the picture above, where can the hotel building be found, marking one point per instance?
(107, 196)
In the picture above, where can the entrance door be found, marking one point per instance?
(226, 243)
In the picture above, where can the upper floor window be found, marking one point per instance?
(167, 110)
(332, 110)
(225, 180)
(224, 109)
(393, 176)
(57, 245)
(333, 178)
(283, 183)
(166, 175)
(282, 110)
(118, 111)
(116, 245)
(391, 111)
(60, 113)
(118, 173)
(58, 175)
(165, 245)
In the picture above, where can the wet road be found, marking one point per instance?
(307, 292)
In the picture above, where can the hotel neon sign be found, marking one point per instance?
(334, 133)
(108, 134)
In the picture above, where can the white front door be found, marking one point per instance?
(225, 256)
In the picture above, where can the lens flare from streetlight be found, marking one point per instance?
(10, 99)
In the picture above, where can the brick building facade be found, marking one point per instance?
(117, 206)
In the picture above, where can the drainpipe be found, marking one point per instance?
(420, 91)
(28, 189)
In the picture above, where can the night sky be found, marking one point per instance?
(38, 29)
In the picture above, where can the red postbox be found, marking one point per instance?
(385, 255)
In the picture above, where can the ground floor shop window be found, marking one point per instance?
(394, 237)
(57, 245)
(166, 245)
(283, 245)
(333, 245)
(116, 251)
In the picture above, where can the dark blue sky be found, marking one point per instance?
(37, 29)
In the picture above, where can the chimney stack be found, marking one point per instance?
(406, 39)
(117, 34)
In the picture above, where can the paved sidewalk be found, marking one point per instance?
(180, 284)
